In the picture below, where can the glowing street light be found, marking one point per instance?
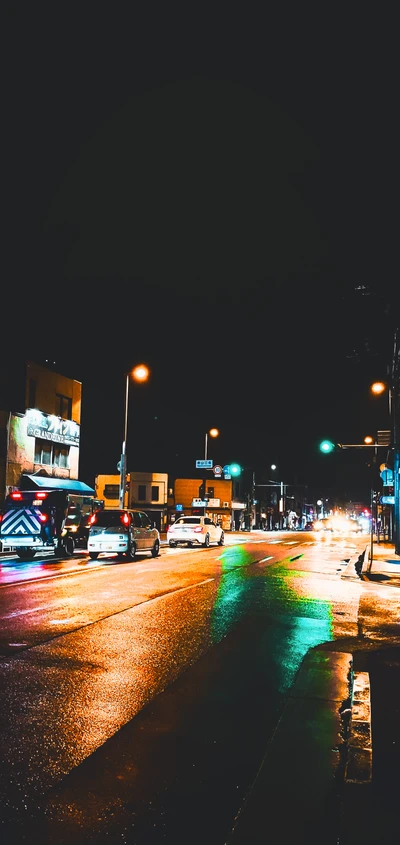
(378, 387)
(213, 432)
(368, 439)
(140, 373)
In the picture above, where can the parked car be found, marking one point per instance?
(124, 532)
(200, 530)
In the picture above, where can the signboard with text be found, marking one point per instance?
(204, 464)
(50, 427)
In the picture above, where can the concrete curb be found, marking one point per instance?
(358, 767)
(355, 566)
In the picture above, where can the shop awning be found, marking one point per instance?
(42, 482)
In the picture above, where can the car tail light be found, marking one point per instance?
(43, 517)
(92, 519)
(125, 518)
(16, 495)
(198, 529)
(41, 495)
(1, 516)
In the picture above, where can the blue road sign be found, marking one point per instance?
(387, 500)
(204, 464)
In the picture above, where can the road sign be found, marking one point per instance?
(204, 464)
(217, 470)
(199, 503)
(383, 437)
(227, 476)
(387, 477)
(179, 507)
(387, 500)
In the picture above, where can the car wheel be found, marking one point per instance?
(206, 541)
(156, 549)
(69, 546)
(131, 553)
(190, 544)
(172, 544)
(221, 540)
(93, 555)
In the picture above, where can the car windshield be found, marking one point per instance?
(188, 520)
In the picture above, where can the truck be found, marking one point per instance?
(51, 519)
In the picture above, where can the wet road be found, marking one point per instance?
(138, 699)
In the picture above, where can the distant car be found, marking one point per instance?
(309, 526)
(199, 530)
(124, 532)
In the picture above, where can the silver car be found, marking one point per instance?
(199, 530)
(124, 532)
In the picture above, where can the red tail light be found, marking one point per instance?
(125, 518)
(198, 529)
(92, 519)
(43, 517)
(1, 516)
(41, 495)
(16, 495)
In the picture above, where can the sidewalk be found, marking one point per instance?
(383, 565)
(294, 799)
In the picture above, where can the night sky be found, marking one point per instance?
(213, 194)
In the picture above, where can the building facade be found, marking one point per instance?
(187, 497)
(146, 490)
(40, 415)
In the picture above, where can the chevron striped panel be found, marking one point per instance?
(21, 522)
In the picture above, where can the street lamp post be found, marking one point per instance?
(213, 432)
(394, 413)
(140, 373)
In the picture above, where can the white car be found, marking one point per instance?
(124, 532)
(195, 529)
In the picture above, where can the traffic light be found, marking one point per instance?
(235, 470)
(326, 446)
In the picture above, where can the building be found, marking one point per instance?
(40, 415)
(187, 499)
(146, 490)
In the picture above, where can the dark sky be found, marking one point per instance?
(215, 194)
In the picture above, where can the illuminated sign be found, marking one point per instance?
(49, 427)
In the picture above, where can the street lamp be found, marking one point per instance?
(213, 432)
(393, 389)
(140, 373)
(378, 387)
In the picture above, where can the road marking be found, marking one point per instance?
(265, 558)
(291, 543)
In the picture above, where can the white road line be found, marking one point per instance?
(265, 558)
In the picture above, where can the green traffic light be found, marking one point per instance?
(326, 446)
(235, 469)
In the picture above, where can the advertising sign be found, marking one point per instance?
(49, 427)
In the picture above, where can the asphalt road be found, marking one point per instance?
(138, 699)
